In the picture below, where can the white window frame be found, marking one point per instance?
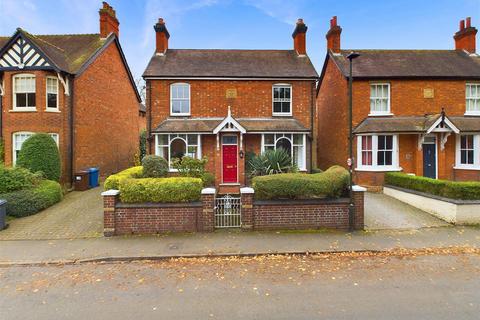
(289, 136)
(282, 85)
(476, 99)
(172, 99)
(55, 136)
(476, 152)
(47, 92)
(14, 92)
(173, 136)
(375, 166)
(380, 113)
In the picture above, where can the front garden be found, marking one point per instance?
(33, 184)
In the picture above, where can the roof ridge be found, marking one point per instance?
(198, 49)
(67, 34)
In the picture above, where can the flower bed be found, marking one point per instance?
(329, 184)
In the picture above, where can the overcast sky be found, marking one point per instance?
(250, 24)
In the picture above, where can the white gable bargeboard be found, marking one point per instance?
(22, 54)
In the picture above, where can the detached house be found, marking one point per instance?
(79, 89)
(223, 104)
(416, 111)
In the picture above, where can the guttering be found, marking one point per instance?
(229, 78)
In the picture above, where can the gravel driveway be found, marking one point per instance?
(79, 215)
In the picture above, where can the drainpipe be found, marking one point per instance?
(1, 111)
(72, 133)
(149, 122)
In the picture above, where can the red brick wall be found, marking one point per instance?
(38, 121)
(106, 115)
(156, 218)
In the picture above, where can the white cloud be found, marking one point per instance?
(285, 11)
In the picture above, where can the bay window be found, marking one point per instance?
(19, 138)
(282, 100)
(379, 98)
(294, 144)
(377, 153)
(180, 99)
(24, 92)
(52, 93)
(468, 151)
(176, 146)
(473, 98)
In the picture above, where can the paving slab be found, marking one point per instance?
(384, 212)
(78, 215)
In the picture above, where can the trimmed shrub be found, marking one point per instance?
(2, 151)
(40, 153)
(142, 144)
(113, 181)
(208, 179)
(17, 178)
(442, 188)
(329, 184)
(271, 162)
(26, 202)
(154, 167)
(163, 190)
(190, 167)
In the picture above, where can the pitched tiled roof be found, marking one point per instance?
(413, 124)
(207, 125)
(410, 64)
(231, 63)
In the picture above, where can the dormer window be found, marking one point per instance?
(380, 99)
(473, 98)
(24, 92)
(180, 99)
(282, 100)
(52, 94)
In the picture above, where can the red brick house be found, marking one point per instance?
(416, 111)
(223, 104)
(76, 87)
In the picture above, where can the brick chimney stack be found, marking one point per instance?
(465, 36)
(108, 21)
(333, 36)
(162, 37)
(299, 38)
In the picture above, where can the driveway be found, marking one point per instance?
(79, 215)
(384, 212)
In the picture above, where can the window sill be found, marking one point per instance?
(52, 110)
(281, 114)
(472, 113)
(378, 169)
(380, 114)
(466, 168)
(180, 114)
(23, 110)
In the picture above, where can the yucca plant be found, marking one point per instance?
(271, 162)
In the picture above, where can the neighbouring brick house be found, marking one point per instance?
(223, 104)
(76, 87)
(416, 111)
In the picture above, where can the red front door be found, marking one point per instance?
(229, 153)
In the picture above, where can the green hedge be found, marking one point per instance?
(40, 153)
(26, 202)
(17, 178)
(163, 190)
(442, 188)
(329, 184)
(113, 181)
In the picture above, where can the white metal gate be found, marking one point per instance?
(228, 212)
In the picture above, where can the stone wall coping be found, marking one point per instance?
(357, 188)
(432, 196)
(159, 205)
(283, 202)
(209, 191)
(110, 192)
(247, 190)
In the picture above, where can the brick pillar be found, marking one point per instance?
(110, 199)
(247, 207)
(358, 200)
(206, 221)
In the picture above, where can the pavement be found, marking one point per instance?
(229, 243)
(384, 212)
(433, 285)
(78, 215)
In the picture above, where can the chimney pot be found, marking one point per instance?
(462, 24)
(469, 22)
